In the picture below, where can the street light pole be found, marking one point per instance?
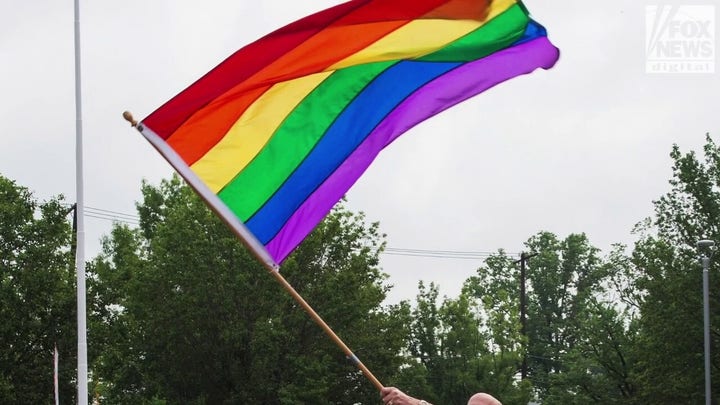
(705, 259)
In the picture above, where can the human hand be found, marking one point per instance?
(393, 396)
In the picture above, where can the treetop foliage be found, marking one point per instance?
(181, 313)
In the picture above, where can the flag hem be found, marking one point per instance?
(206, 194)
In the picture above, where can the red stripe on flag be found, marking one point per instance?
(241, 65)
(257, 56)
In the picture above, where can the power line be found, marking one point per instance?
(108, 215)
(441, 254)
(131, 219)
(449, 252)
(111, 218)
(100, 211)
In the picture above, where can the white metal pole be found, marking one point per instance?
(82, 367)
(706, 319)
(55, 375)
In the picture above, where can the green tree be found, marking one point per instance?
(563, 277)
(37, 297)
(455, 352)
(600, 368)
(578, 345)
(668, 281)
(187, 315)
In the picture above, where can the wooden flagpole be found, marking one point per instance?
(247, 238)
(328, 331)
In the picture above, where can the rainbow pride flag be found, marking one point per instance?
(276, 134)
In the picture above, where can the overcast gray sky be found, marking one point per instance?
(580, 148)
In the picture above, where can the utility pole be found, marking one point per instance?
(524, 257)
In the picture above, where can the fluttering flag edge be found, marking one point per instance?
(540, 51)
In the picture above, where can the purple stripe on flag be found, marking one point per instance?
(436, 96)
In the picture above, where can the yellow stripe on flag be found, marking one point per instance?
(252, 130)
(419, 38)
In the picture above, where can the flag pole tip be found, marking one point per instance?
(129, 118)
